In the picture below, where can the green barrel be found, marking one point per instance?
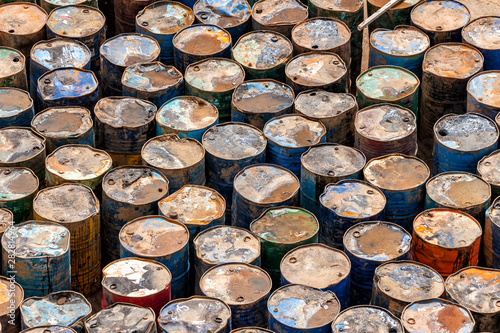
(18, 187)
(398, 15)
(12, 69)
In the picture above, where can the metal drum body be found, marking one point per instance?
(11, 297)
(397, 15)
(251, 329)
(49, 329)
(481, 33)
(13, 69)
(18, 187)
(6, 221)
(16, 107)
(491, 240)
(279, 16)
(357, 319)
(50, 5)
(126, 12)
(487, 169)
(482, 94)
(122, 317)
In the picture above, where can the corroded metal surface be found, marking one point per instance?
(49, 329)
(488, 169)
(358, 318)
(483, 91)
(481, 34)
(17, 190)
(121, 317)
(16, 107)
(280, 16)
(8, 297)
(50, 5)
(125, 12)
(395, 16)
(6, 220)
(12, 68)
(251, 330)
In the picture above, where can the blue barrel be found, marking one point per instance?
(186, 116)
(368, 245)
(40, 251)
(245, 288)
(318, 266)
(357, 318)
(491, 239)
(482, 91)
(461, 141)
(344, 204)
(16, 107)
(482, 33)
(289, 136)
(162, 20)
(287, 309)
(279, 16)
(153, 82)
(402, 179)
(488, 169)
(18, 200)
(112, 318)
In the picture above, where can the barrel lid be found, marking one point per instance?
(489, 168)
(447, 228)
(78, 162)
(279, 12)
(453, 60)
(66, 203)
(437, 315)
(315, 265)
(215, 75)
(22, 18)
(353, 198)
(60, 53)
(303, 307)
(120, 112)
(195, 314)
(377, 241)
(63, 121)
(66, 82)
(396, 172)
(285, 225)
(408, 281)
(485, 88)
(251, 330)
(151, 77)
(259, 96)
(138, 319)
(76, 21)
(358, 319)
(130, 49)
(227, 14)
(294, 131)
(6, 219)
(440, 16)
(404, 40)
(458, 190)
(316, 68)
(318, 103)
(266, 184)
(19, 144)
(13, 101)
(63, 308)
(11, 61)
(385, 122)
(135, 185)
(234, 141)
(321, 33)
(6, 295)
(387, 83)
(187, 113)
(402, 5)
(135, 277)
(483, 33)
(475, 288)
(48, 329)
(165, 17)
(171, 152)
(202, 39)
(16, 183)
(333, 160)
(225, 244)
(236, 284)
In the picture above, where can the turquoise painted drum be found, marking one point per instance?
(18, 187)
(357, 318)
(483, 91)
(482, 34)
(16, 107)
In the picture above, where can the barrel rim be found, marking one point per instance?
(177, 34)
(63, 69)
(320, 89)
(31, 329)
(41, 138)
(399, 27)
(155, 62)
(485, 177)
(47, 110)
(103, 28)
(27, 95)
(318, 53)
(22, 58)
(95, 315)
(60, 39)
(280, 24)
(290, 115)
(26, 4)
(324, 144)
(380, 309)
(474, 21)
(414, 9)
(340, 10)
(323, 18)
(34, 176)
(7, 281)
(116, 98)
(154, 56)
(253, 329)
(469, 94)
(430, 49)
(159, 4)
(249, 12)
(197, 63)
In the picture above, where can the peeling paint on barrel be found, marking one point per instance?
(356, 319)
(482, 34)
(251, 329)
(280, 16)
(138, 319)
(6, 220)
(18, 187)
(49, 329)
(397, 15)
(488, 169)
(483, 91)
(12, 68)
(10, 297)
(16, 107)
(50, 5)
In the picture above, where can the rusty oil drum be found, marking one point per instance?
(356, 319)
(397, 15)
(13, 68)
(125, 13)
(11, 297)
(6, 220)
(18, 187)
(50, 5)
(16, 107)
(491, 250)
(251, 329)
(138, 319)
(481, 34)
(279, 16)
(49, 329)
(482, 91)
(487, 169)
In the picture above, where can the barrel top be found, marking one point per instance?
(128, 112)
(17, 183)
(171, 152)
(193, 205)
(303, 307)
(476, 288)
(130, 49)
(195, 314)
(251, 330)
(14, 101)
(402, 5)
(66, 203)
(259, 96)
(19, 144)
(483, 33)
(187, 113)
(215, 75)
(236, 284)
(440, 15)
(78, 162)
(165, 18)
(280, 12)
(316, 69)
(452, 60)
(458, 190)
(11, 61)
(485, 88)
(347, 6)
(202, 40)
(353, 199)
(22, 18)
(266, 184)
(385, 122)
(315, 265)
(333, 160)
(358, 318)
(49, 329)
(387, 83)
(402, 41)
(153, 236)
(151, 77)
(447, 228)
(225, 244)
(5, 295)
(489, 168)
(261, 50)
(377, 241)
(6, 219)
(62, 121)
(138, 319)
(66, 83)
(318, 103)
(135, 185)
(428, 316)
(397, 172)
(226, 14)
(408, 281)
(76, 21)
(321, 33)
(234, 141)
(294, 131)
(134, 277)
(59, 52)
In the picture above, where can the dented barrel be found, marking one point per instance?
(18, 187)
(395, 16)
(491, 240)
(125, 12)
(138, 319)
(16, 107)
(279, 16)
(488, 169)
(11, 297)
(12, 68)
(481, 33)
(357, 319)
(483, 90)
